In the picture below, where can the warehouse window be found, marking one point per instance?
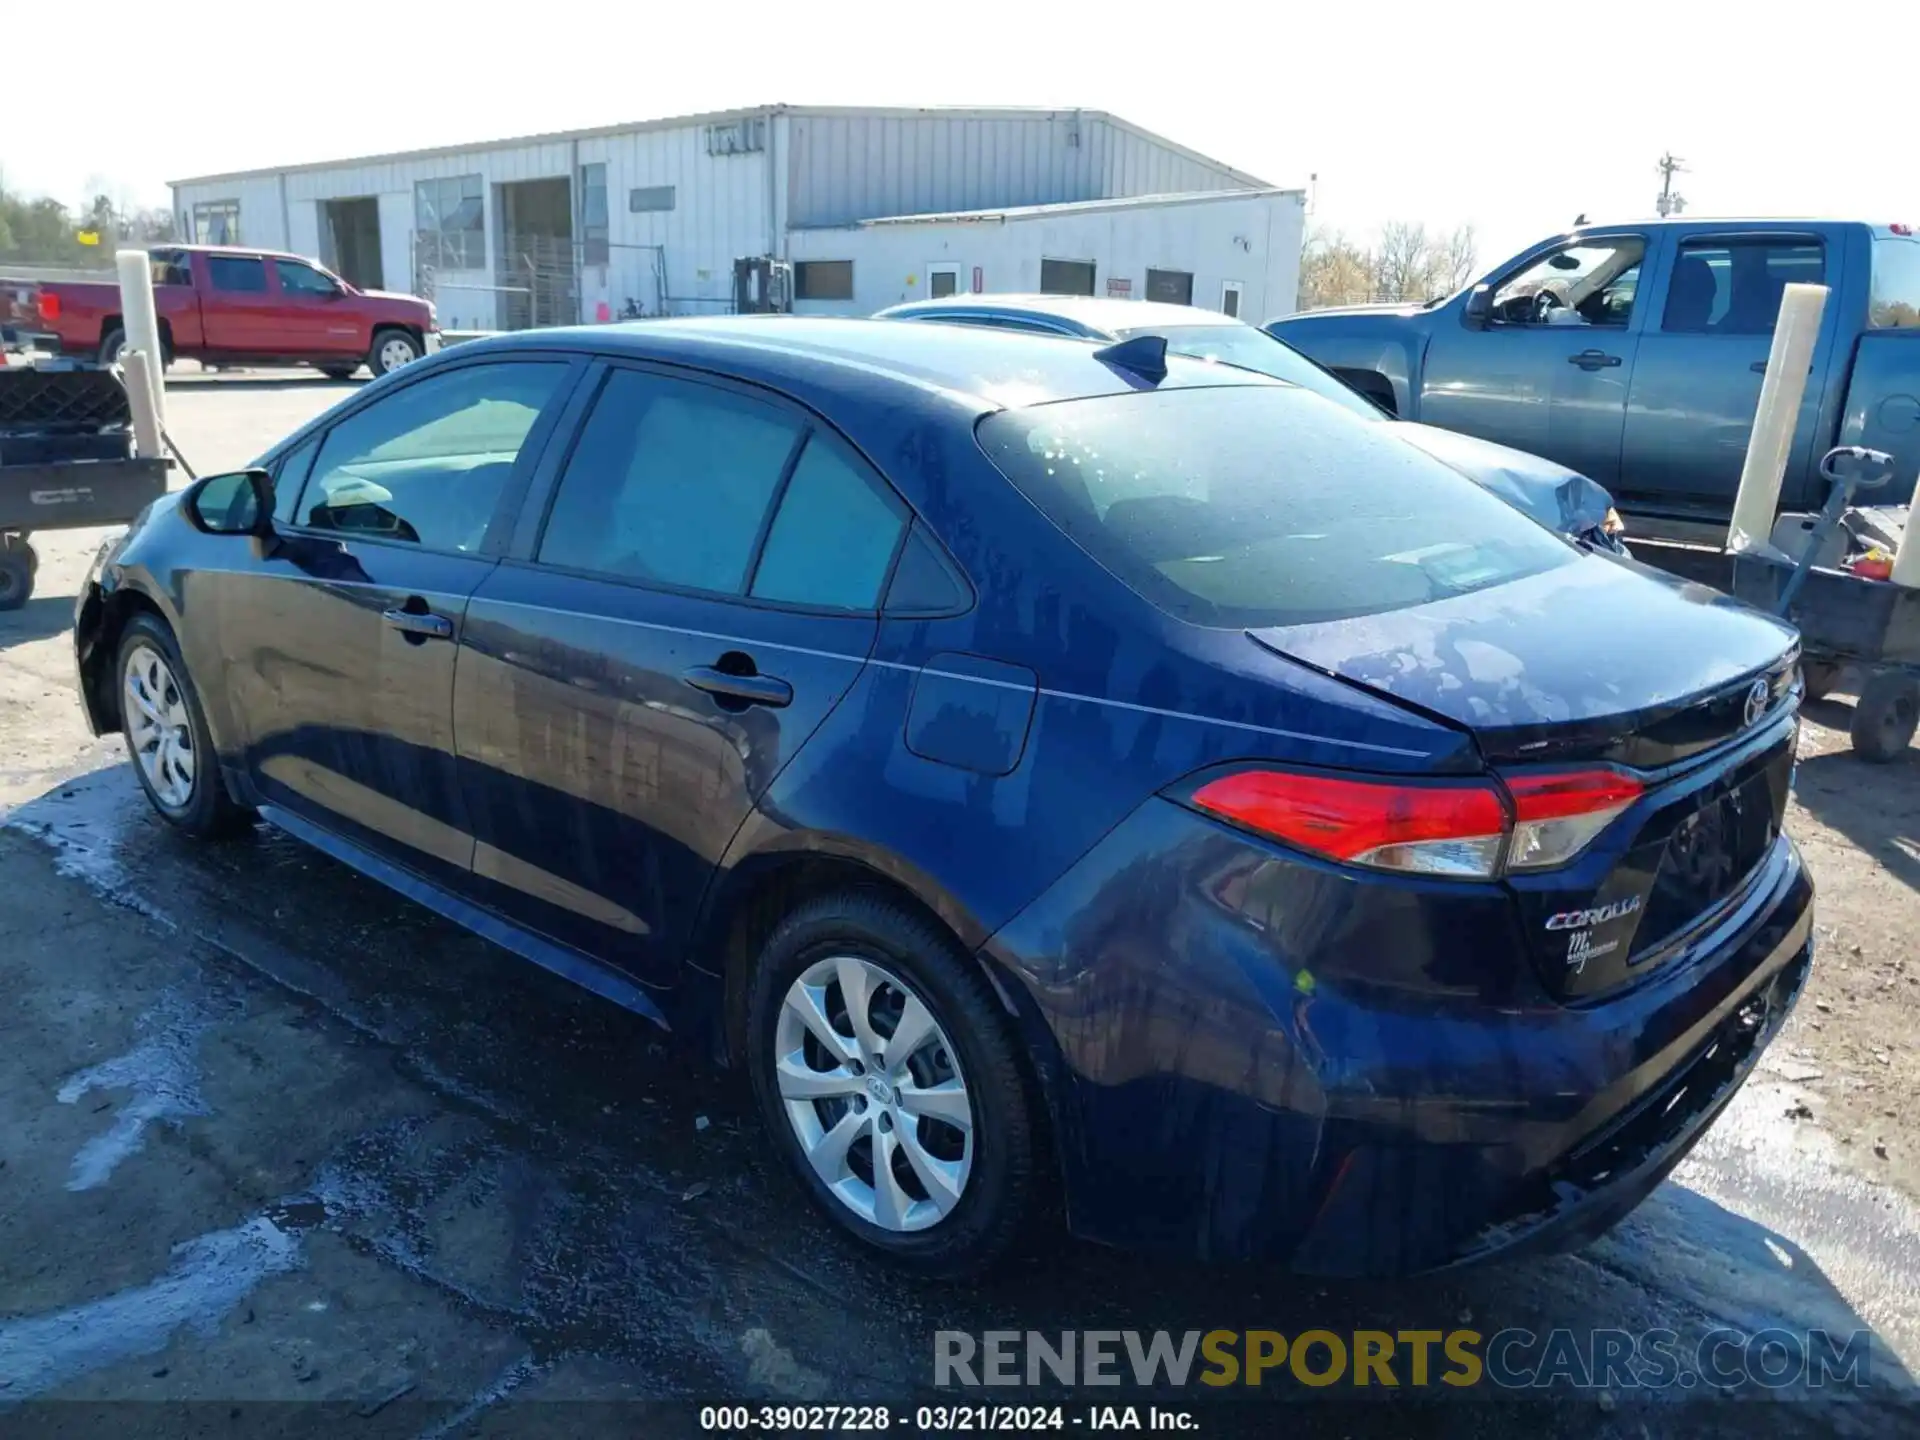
(648, 198)
(449, 217)
(217, 222)
(1171, 287)
(1066, 277)
(593, 214)
(823, 280)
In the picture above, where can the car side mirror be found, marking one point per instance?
(1479, 307)
(237, 503)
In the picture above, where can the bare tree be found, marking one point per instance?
(1408, 262)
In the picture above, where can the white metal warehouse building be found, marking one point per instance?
(869, 206)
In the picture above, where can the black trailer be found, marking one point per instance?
(66, 461)
(1846, 621)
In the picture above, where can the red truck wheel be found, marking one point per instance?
(391, 350)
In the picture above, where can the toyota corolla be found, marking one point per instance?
(1066, 780)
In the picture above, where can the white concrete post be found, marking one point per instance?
(147, 444)
(1906, 560)
(142, 324)
(1776, 418)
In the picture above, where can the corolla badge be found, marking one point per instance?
(1757, 696)
(1599, 915)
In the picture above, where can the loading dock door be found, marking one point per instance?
(1066, 277)
(350, 240)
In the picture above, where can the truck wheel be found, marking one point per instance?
(391, 350)
(111, 345)
(16, 577)
(1884, 718)
(1820, 676)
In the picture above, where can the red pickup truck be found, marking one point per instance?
(229, 306)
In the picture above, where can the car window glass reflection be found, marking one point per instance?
(426, 464)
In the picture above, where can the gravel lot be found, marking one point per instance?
(269, 1133)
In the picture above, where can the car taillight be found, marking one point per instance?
(1557, 814)
(1464, 829)
(49, 306)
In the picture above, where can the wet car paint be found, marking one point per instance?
(529, 1162)
(1125, 703)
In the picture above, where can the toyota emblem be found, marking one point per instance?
(1756, 702)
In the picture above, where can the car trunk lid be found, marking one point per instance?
(1602, 663)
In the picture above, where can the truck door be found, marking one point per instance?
(237, 309)
(1702, 358)
(1548, 370)
(313, 315)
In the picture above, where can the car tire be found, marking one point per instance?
(392, 349)
(16, 576)
(1885, 716)
(179, 772)
(111, 344)
(987, 1173)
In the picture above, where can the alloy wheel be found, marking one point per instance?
(395, 353)
(873, 1089)
(159, 731)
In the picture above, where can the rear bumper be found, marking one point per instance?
(1235, 1088)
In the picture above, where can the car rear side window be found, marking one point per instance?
(425, 464)
(1261, 505)
(834, 535)
(237, 273)
(1896, 283)
(669, 483)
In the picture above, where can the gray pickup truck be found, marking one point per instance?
(1634, 354)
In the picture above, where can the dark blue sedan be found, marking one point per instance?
(1051, 772)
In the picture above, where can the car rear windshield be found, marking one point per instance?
(1896, 283)
(1261, 505)
(1252, 349)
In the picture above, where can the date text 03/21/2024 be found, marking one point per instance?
(961, 1419)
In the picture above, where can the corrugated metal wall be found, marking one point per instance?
(843, 168)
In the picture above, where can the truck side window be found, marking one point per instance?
(241, 273)
(1733, 286)
(169, 268)
(1591, 282)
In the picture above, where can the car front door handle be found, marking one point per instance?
(422, 625)
(1593, 360)
(740, 691)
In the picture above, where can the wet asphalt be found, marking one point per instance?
(270, 1134)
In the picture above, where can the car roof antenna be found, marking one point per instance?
(1143, 355)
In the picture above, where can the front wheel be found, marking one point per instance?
(888, 1079)
(167, 735)
(391, 350)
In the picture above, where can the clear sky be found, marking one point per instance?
(1516, 117)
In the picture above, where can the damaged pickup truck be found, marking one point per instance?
(1634, 354)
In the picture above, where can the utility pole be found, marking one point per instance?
(1669, 203)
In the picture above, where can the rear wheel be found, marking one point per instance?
(16, 576)
(167, 736)
(391, 350)
(889, 1083)
(1884, 718)
(111, 344)
(1820, 677)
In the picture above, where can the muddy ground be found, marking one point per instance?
(270, 1134)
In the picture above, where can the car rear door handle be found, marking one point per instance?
(420, 624)
(740, 690)
(1593, 360)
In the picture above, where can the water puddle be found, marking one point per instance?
(164, 1081)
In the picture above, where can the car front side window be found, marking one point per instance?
(425, 465)
(1590, 282)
